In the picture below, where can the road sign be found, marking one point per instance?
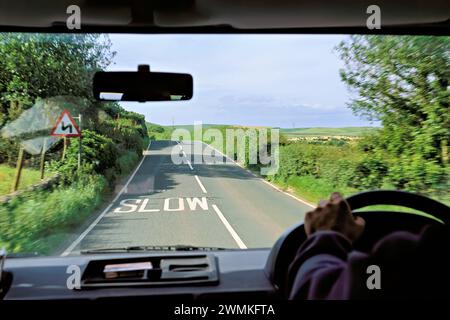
(66, 126)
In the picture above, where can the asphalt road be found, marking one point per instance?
(200, 204)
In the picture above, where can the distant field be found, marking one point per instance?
(290, 133)
(319, 131)
(29, 177)
(190, 127)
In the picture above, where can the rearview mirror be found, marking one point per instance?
(142, 86)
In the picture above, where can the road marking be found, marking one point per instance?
(230, 229)
(189, 163)
(289, 194)
(193, 202)
(200, 184)
(184, 154)
(167, 204)
(93, 224)
(264, 180)
(140, 205)
(190, 166)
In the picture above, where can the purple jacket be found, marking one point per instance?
(411, 266)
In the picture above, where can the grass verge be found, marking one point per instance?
(29, 177)
(38, 221)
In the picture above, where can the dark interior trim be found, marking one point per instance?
(438, 29)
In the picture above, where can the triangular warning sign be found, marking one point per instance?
(65, 126)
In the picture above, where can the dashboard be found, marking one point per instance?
(232, 274)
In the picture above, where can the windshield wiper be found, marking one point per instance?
(152, 248)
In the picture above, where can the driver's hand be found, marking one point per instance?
(334, 214)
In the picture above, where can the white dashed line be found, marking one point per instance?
(184, 154)
(187, 161)
(200, 184)
(189, 164)
(230, 229)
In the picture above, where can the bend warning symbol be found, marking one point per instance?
(66, 126)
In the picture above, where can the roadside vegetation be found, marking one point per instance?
(59, 69)
(401, 82)
(30, 176)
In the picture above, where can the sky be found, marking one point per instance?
(258, 80)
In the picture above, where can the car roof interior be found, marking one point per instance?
(227, 16)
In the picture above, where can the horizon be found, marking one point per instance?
(226, 124)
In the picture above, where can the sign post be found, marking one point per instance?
(67, 128)
(80, 146)
(19, 167)
(42, 164)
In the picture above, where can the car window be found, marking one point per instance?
(276, 123)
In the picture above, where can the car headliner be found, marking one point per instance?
(230, 16)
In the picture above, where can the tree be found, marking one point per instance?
(403, 82)
(47, 65)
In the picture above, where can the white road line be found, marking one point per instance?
(195, 176)
(265, 181)
(187, 161)
(200, 184)
(93, 224)
(289, 194)
(189, 164)
(184, 154)
(230, 229)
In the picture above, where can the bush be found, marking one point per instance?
(9, 150)
(99, 153)
(125, 133)
(334, 164)
(26, 222)
(369, 174)
(127, 162)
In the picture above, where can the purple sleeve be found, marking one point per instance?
(326, 267)
(321, 267)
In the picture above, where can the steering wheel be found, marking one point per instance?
(378, 224)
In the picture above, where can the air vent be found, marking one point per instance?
(192, 267)
(151, 270)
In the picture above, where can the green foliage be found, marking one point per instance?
(157, 132)
(369, 174)
(403, 82)
(126, 162)
(9, 150)
(98, 151)
(125, 133)
(7, 173)
(35, 66)
(331, 163)
(318, 131)
(27, 222)
(46, 65)
(312, 188)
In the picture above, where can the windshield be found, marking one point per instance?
(276, 123)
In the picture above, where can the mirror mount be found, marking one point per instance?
(144, 68)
